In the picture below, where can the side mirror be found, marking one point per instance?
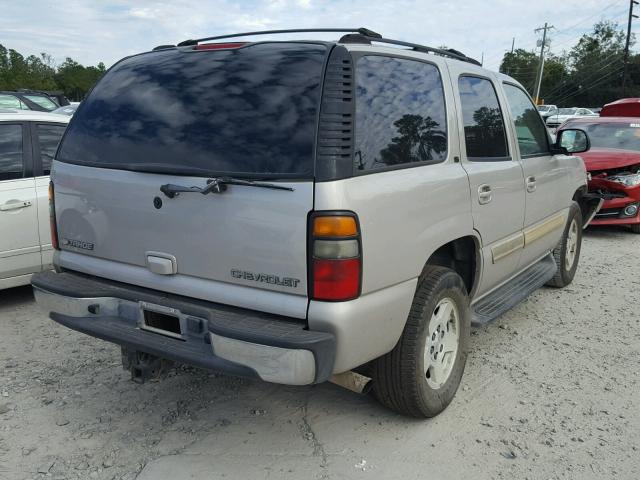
(572, 140)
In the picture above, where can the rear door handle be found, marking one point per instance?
(531, 184)
(485, 194)
(14, 206)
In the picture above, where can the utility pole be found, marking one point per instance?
(543, 45)
(513, 44)
(626, 46)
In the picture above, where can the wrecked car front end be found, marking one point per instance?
(620, 188)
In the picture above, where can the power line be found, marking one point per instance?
(566, 30)
(575, 40)
(597, 83)
(612, 58)
(563, 31)
(563, 89)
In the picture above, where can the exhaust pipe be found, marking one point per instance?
(352, 381)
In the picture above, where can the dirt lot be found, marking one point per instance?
(551, 391)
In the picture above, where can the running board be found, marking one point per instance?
(513, 292)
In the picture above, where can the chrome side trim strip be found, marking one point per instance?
(507, 246)
(544, 228)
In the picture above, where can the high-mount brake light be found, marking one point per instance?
(219, 46)
(335, 257)
(52, 218)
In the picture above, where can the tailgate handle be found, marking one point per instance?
(161, 263)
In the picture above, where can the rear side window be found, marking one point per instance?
(11, 162)
(531, 132)
(247, 111)
(484, 131)
(48, 138)
(44, 102)
(400, 113)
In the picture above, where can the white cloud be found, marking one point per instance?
(91, 31)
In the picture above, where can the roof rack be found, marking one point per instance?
(364, 36)
(363, 31)
(450, 52)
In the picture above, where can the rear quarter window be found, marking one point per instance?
(246, 111)
(400, 113)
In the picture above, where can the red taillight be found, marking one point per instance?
(336, 279)
(336, 260)
(219, 46)
(52, 218)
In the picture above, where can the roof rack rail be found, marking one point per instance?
(364, 36)
(363, 31)
(450, 52)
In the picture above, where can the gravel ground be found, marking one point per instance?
(551, 390)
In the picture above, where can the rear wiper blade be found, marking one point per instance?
(218, 185)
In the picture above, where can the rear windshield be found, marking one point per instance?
(248, 111)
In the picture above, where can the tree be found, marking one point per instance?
(419, 138)
(40, 73)
(589, 74)
(523, 66)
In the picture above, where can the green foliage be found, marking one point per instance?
(40, 73)
(589, 74)
(523, 66)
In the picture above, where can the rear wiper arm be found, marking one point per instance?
(217, 185)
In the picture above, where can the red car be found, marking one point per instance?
(614, 165)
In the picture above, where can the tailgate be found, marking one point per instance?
(247, 236)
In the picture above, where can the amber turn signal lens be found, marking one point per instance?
(334, 226)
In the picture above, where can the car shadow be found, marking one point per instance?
(12, 297)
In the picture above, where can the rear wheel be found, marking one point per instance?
(421, 375)
(567, 252)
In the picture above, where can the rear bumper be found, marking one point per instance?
(218, 337)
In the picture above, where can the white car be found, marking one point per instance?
(28, 143)
(564, 114)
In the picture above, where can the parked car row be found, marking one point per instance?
(32, 100)
(561, 115)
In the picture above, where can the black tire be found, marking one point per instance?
(565, 273)
(635, 228)
(399, 378)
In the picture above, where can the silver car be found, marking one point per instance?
(563, 114)
(297, 211)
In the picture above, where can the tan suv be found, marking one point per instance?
(294, 210)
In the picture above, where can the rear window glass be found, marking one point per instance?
(248, 111)
(400, 113)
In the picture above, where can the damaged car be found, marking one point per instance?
(613, 163)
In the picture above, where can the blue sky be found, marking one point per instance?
(93, 31)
